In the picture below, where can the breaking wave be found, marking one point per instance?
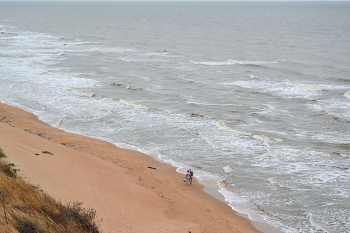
(286, 89)
(130, 103)
(304, 87)
(274, 180)
(347, 94)
(228, 169)
(232, 62)
(317, 223)
(267, 141)
(79, 92)
(209, 140)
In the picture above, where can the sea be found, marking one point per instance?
(252, 96)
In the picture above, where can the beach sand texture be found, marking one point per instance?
(127, 195)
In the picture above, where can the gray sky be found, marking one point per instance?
(173, 0)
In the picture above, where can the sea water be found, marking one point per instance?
(254, 96)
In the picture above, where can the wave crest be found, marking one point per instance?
(303, 87)
(130, 103)
(232, 62)
(347, 94)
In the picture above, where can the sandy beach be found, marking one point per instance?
(130, 191)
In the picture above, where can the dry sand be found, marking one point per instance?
(126, 194)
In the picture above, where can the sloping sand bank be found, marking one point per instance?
(127, 195)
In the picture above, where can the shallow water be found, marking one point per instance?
(253, 96)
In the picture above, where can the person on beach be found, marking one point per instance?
(188, 177)
(191, 174)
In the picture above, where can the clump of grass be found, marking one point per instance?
(83, 217)
(7, 169)
(26, 226)
(26, 209)
(2, 155)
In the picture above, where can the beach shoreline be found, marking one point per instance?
(130, 191)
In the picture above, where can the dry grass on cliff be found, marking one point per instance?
(26, 209)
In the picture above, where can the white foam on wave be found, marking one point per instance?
(79, 92)
(244, 205)
(31, 39)
(286, 154)
(317, 223)
(129, 59)
(126, 145)
(59, 122)
(130, 103)
(275, 88)
(222, 125)
(54, 76)
(303, 86)
(275, 180)
(231, 62)
(212, 104)
(57, 37)
(347, 94)
(109, 49)
(4, 30)
(155, 54)
(209, 140)
(333, 87)
(267, 141)
(28, 32)
(128, 128)
(338, 115)
(333, 107)
(51, 43)
(228, 169)
(132, 87)
(166, 117)
(170, 120)
(254, 77)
